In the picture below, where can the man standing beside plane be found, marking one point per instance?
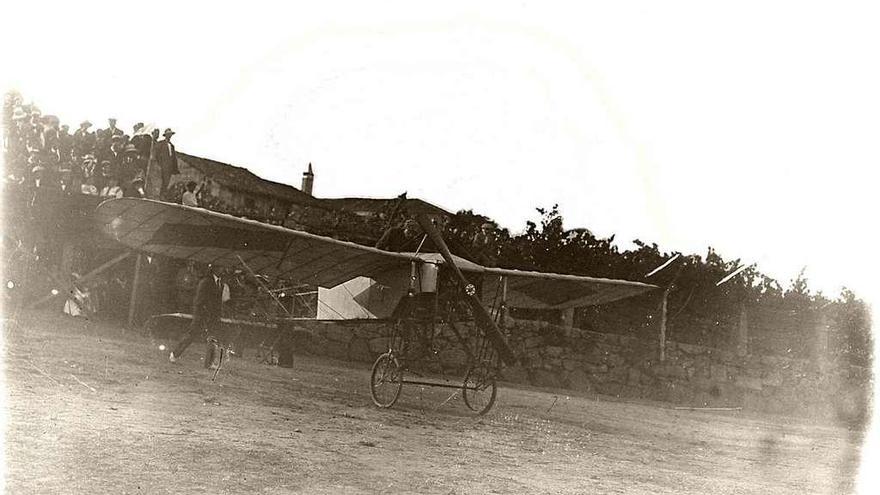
(206, 311)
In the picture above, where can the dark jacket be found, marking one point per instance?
(142, 142)
(206, 304)
(166, 155)
(84, 142)
(114, 132)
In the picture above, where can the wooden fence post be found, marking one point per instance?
(663, 305)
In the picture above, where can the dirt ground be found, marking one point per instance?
(95, 409)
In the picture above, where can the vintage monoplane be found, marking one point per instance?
(426, 289)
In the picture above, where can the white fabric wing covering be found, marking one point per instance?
(209, 237)
(526, 289)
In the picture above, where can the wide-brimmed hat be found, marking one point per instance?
(117, 137)
(85, 123)
(19, 114)
(130, 148)
(168, 132)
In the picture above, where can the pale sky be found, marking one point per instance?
(749, 126)
(752, 127)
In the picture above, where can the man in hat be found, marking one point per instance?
(11, 103)
(141, 140)
(114, 156)
(166, 156)
(128, 166)
(206, 310)
(153, 172)
(113, 130)
(34, 133)
(90, 165)
(51, 135)
(102, 144)
(15, 136)
(84, 142)
(65, 143)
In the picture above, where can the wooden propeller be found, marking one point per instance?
(480, 314)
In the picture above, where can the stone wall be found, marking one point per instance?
(623, 366)
(690, 375)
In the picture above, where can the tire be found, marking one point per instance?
(385, 381)
(479, 389)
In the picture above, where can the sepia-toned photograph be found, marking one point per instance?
(439, 248)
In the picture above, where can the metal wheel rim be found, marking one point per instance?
(479, 390)
(385, 381)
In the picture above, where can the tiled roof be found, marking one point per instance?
(414, 206)
(242, 179)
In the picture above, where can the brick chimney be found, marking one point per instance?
(308, 181)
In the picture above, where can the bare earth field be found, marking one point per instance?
(94, 409)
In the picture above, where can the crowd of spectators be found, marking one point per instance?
(49, 176)
(45, 161)
(44, 156)
(191, 193)
(42, 153)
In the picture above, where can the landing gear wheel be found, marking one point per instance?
(479, 389)
(385, 381)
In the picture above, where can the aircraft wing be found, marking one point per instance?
(209, 237)
(526, 289)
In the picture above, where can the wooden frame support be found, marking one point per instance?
(663, 308)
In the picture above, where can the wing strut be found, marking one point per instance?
(263, 285)
(480, 315)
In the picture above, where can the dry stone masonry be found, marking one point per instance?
(624, 366)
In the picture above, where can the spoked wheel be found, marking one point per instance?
(479, 388)
(385, 381)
